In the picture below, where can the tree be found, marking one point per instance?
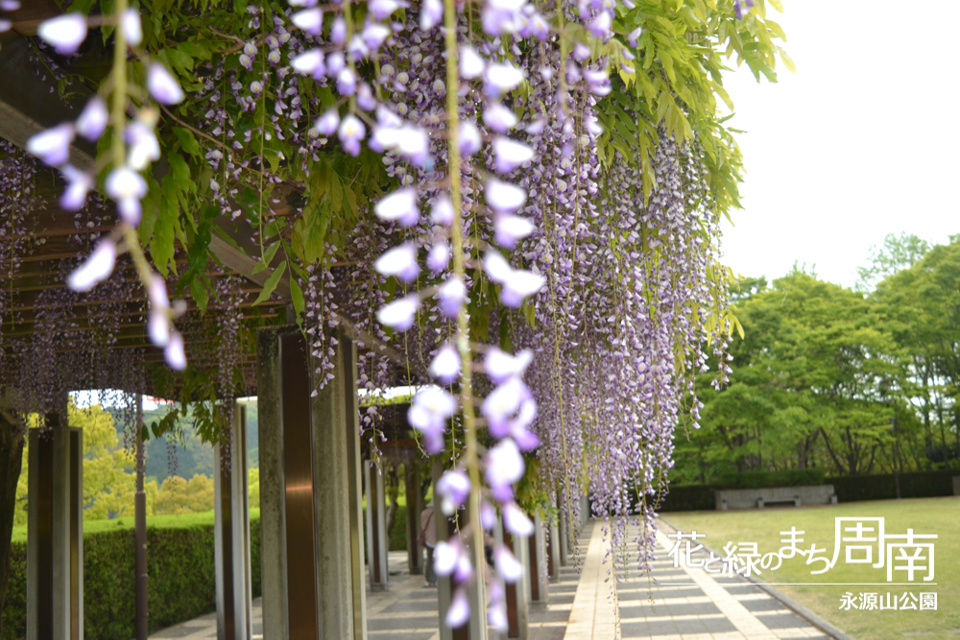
(178, 496)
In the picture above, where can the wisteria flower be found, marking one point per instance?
(439, 257)
(338, 30)
(309, 20)
(502, 404)
(510, 154)
(509, 568)
(488, 515)
(174, 352)
(516, 521)
(53, 145)
(599, 27)
(520, 286)
(126, 187)
(310, 62)
(162, 85)
(499, 118)
(143, 145)
(79, 184)
(93, 119)
(65, 32)
(446, 557)
(158, 327)
(400, 314)
(500, 78)
(469, 138)
(453, 488)
(399, 206)
(431, 13)
(401, 261)
(351, 132)
(442, 211)
(508, 230)
(501, 16)
(503, 467)
(452, 294)
(471, 64)
(374, 34)
(503, 196)
(634, 36)
(445, 367)
(327, 123)
(95, 269)
(132, 30)
(500, 366)
(429, 412)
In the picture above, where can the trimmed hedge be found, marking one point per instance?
(180, 563)
(761, 479)
(924, 484)
(693, 497)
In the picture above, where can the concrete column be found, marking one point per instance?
(584, 509)
(563, 530)
(553, 553)
(538, 589)
(414, 509)
(376, 519)
(310, 513)
(232, 534)
(516, 594)
(442, 530)
(55, 541)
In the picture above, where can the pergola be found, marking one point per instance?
(312, 474)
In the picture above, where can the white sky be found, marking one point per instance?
(863, 141)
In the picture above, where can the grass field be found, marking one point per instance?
(940, 516)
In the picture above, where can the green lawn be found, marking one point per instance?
(939, 516)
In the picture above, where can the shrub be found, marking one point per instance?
(925, 484)
(760, 479)
(180, 563)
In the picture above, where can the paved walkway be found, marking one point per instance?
(687, 604)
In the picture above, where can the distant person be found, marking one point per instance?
(428, 538)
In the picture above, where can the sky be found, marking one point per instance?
(862, 142)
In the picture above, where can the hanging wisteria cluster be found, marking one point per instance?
(461, 194)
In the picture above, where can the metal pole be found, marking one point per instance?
(140, 533)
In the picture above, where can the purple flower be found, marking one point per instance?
(501, 16)
(335, 63)
(500, 78)
(599, 27)
(357, 48)
(470, 140)
(431, 13)
(500, 366)
(510, 229)
(174, 352)
(509, 568)
(158, 327)
(488, 515)
(338, 30)
(65, 32)
(510, 154)
(95, 269)
(453, 488)
(504, 197)
(503, 466)
(535, 128)
(9, 5)
(409, 141)
(429, 412)
(442, 211)
(382, 9)
(162, 86)
(327, 123)
(93, 119)
(499, 118)
(246, 62)
(126, 187)
(374, 34)
(351, 132)
(401, 206)
(346, 82)
(502, 403)
(471, 64)
(401, 261)
(132, 30)
(79, 183)
(144, 147)
(515, 521)
(634, 36)
(452, 295)
(310, 62)
(53, 145)
(365, 99)
(439, 257)
(446, 557)
(309, 20)
(5, 25)
(445, 367)
(517, 284)
(400, 314)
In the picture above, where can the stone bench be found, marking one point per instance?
(750, 498)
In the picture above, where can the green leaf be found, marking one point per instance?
(267, 257)
(776, 4)
(187, 141)
(788, 62)
(271, 284)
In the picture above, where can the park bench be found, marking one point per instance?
(766, 496)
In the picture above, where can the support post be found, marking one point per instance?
(553, 554)
(377, 541)
(538, 589)
(232, 533)
(562, 531)
(140, 533)
(442, 531)
(55, 542)
(414, 509)
(516, 594)
(310, 489)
